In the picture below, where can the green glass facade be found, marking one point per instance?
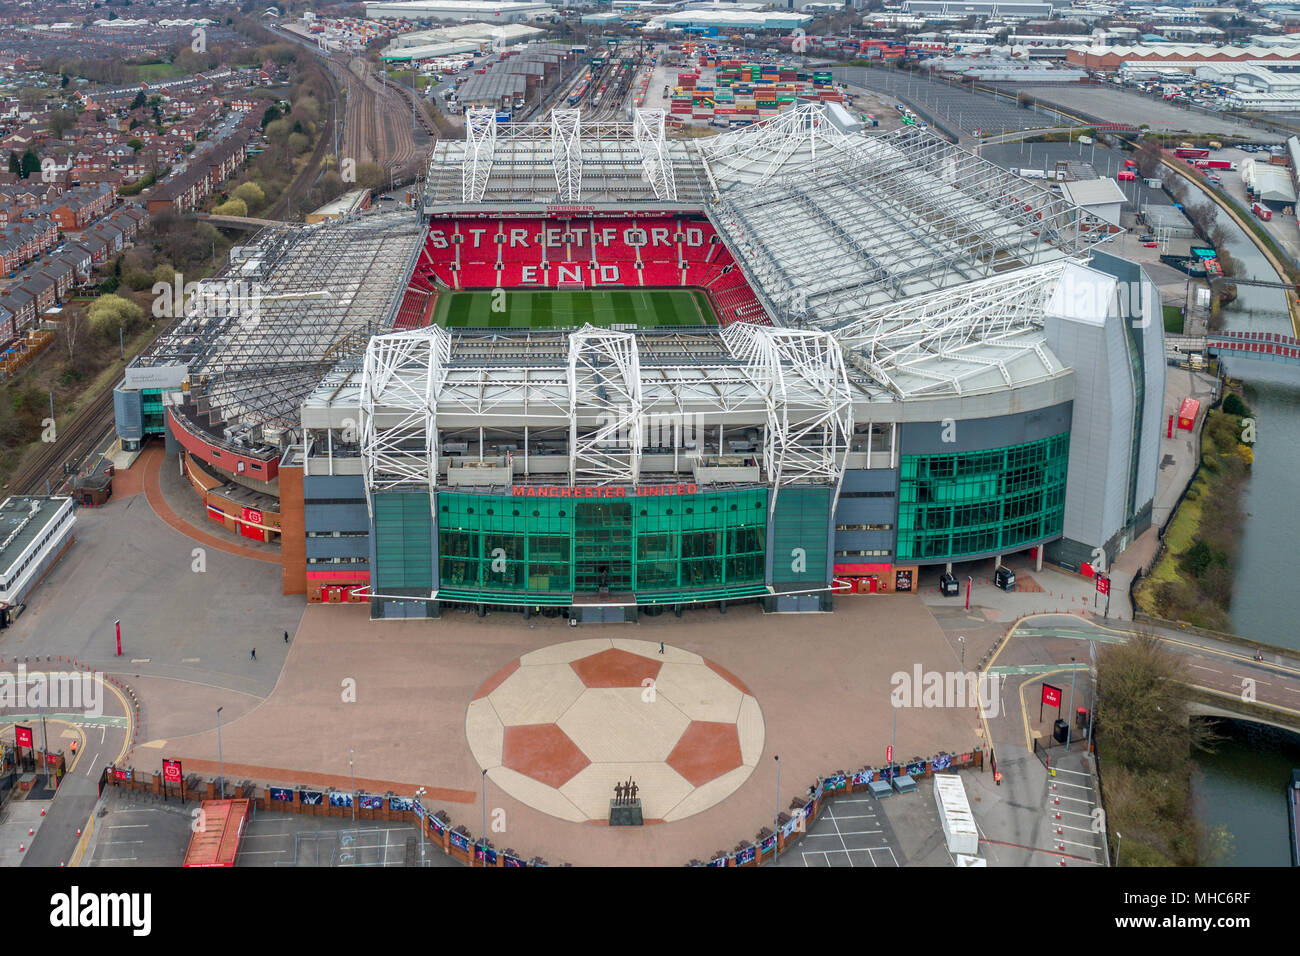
(151, 409)
(978, 502)
(800, 530)
(403, 542)
(671, 548)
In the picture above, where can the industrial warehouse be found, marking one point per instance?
(601, 373)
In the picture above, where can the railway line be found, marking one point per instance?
(73, 442)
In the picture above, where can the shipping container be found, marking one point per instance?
(1187, 413)
(1189, 152)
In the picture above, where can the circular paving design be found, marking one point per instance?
(559, 727)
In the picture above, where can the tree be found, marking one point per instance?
(232, 207)
(14, 166)
(251, 194)
(370, 176)
(139, 101)
(70, 330)
(109, 313)
(135, 144)
(60, 121)
(31, 163)
(65, 81)
(299, 143)
(271, 115)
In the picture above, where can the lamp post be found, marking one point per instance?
(420, 816)
(221, 767)
(776, 820)
(484, 829)
(1119, 843)
(353, 773)
(1069, 723)
(962, 641)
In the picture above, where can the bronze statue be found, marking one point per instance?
(633, 794)
(618, 793)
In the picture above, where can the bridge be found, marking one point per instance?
(234, 222)
(1270, 346)
(1225, 675)
(1257, 283)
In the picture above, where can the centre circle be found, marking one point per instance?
(561, 726)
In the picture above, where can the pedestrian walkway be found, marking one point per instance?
(151, 461)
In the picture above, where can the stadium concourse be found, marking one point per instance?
(918, 360)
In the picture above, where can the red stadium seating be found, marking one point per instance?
(414, 312)
(532, 252)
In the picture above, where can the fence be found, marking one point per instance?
(767, 845)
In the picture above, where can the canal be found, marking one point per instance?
(1240, 787)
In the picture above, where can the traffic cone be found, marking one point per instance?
(21, 848)
(78, 831)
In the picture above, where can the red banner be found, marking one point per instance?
(1051, 695)
(23, 737)
(252, 515)
(172, 771)
(1103, 585)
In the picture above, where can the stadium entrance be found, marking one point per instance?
(602, 547)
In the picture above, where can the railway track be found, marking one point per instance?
(73, 442)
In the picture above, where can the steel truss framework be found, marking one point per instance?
(400, 380)
(480, 145)
(563, 158)
(605, 373)
(758, 153)
(982, 326)
(304, 300)
(597, 386)
(566, 153)
(802, 379)
(889, 218)
(648, 131)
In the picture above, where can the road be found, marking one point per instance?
(101, 739)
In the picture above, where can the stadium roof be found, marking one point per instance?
(295, 302)
(562, 158)
(829, 224)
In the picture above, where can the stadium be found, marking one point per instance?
(602, 373)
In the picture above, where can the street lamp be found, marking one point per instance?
(221, 767)
(484, 830)
(962, 641)
(418, 794)
(1119, 843)
(776, 820)
(353, 773)
(1068, 724)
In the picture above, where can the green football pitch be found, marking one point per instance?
(565, 308)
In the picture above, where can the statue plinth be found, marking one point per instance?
(625, 813)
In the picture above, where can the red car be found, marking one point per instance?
(1150, 244)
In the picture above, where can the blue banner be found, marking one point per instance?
(833, 783)
(508, 860)
(863, 777)
(340, 799)
(768, 845)
(916, 769)
(281, 794)
(941, 762)
(436, 826)
(458, 840)
(400, 804)
(311, 798)
(370, 801)
(720, 861)
(418, 807)
(745, 856)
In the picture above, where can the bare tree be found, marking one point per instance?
(70, 329)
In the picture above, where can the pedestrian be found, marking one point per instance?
(286, 637)
(661, 647)
(253, 656)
